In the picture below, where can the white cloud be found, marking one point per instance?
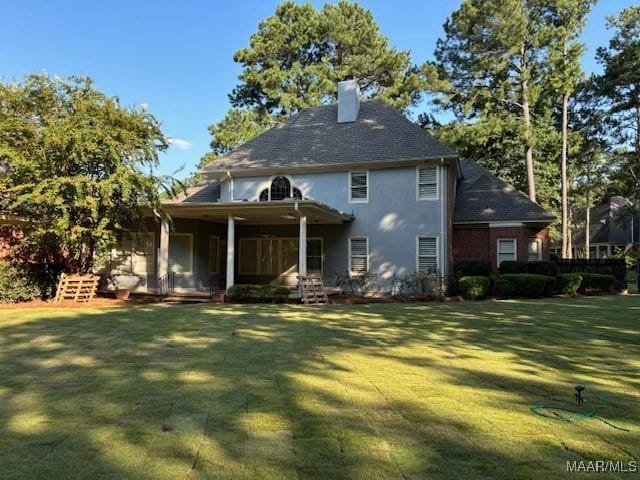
(180, 144)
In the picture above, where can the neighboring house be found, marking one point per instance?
(348, 188)
(607, 235)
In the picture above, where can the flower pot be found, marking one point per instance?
(122, 294)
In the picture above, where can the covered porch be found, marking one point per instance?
(206, 247)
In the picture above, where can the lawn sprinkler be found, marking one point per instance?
(578, 394)
(571, 414)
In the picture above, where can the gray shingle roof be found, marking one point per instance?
(206, 192)
(313, 137)
(605, 226)
(483, 197)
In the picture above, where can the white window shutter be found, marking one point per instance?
(428, 183)
(359, 255)
(427, 254)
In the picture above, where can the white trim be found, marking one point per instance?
(427, 199)
(519, 223)
(231, 251)
(444, 218)
(217, 270)
(515, 249)
(358, 200)
(540, 245)
(190, 235)
(437, 237)
(505, 224)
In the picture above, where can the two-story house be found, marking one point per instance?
(340, 189)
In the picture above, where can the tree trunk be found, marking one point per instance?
(566, 253)
(526, 116)
(587, 223)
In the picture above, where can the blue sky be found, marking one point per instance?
(177, 56)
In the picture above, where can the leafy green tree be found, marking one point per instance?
(619, 85)
(565, 19)
(295, 60)
(80, 167)
(492, 54)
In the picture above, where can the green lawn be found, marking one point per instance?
(411, 391)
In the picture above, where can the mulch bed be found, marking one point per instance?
(101, 301)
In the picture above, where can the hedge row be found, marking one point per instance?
(257, 294)
(531, 285)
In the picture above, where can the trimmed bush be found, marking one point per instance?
(597, 281)
(257, 294)
(524, 285)
(15, 285)
(513, 266)
(471, 268)
(568, 283)
(474, 286)
(608, 266)
(550, 269)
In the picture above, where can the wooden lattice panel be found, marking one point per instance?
(79, 288)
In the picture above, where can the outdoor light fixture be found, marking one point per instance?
(578, 394)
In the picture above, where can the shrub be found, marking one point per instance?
(513, 266)
(597, 281)
(471, 268)
(524, 285)
(568, 283)
(550, 269)
(425, 283)
(15, 285)
(474, 286)
(258, 294)
(608, 266)
(357, 283)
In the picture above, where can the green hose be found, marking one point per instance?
(578, 415)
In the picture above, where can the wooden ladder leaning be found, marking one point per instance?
(312, 290)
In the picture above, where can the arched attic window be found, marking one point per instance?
(280, 189)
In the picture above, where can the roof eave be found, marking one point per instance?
(374, 164)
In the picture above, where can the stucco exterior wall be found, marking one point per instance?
(392, 219)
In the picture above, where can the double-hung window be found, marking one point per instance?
(507, 250)
(427, 183)
(358, 255)
(427, 249)
(534, 249)
(359, 187)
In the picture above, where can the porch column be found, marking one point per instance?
(231, 239)
(163, 254)
(302, 248)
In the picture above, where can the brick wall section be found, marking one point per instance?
(8, 238)
(480, 241)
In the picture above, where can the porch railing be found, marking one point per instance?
(214, 284)
(167, 284)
